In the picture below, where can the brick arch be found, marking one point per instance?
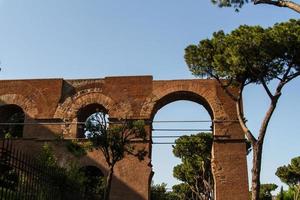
(28, 92)
(70, 107)
(28, 105)
(180, 95)
(91, 98)
(68, 110)
(169, 93)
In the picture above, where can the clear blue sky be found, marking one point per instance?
(97, 38)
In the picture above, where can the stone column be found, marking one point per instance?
(229, 163)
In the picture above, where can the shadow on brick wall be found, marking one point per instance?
(120, 189)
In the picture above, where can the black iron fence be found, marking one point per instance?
(23, 177)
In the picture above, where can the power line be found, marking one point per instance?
(117, 122)
(33, 123)
(164, 143)
(175, 129)
(167, 136)
(181, 121)
(195, 121)
(69, 123)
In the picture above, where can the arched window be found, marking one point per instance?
(11, 118)
(94, 183)
(84, 113)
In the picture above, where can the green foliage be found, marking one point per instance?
(248, 147)
(286, 195)
(280, 196)
(194, 147)
(75, 177)
(159, 192)
(289, 194)
(8, 136)
(249, 54)
(68, 182)
(237, 4)
(265, 191)
(230, 3)
(95, 183)
(182, 191)
(13, 195)
(9, 178)
(96, 187)
(16, 130)
(13, 130)
(47, 157)
(63, 183)
(114, 140)
(76, 148)
(70, 179)
(195, 169)
(290, 175)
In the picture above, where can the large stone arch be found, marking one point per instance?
(206, 96)
(181, 95)
(228, 154)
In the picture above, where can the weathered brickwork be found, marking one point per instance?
(59, 101)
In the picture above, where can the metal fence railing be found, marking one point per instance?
(24, 177)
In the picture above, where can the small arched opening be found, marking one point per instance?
(12, 119)
(94, 182)
(175, 115)
(84, 113)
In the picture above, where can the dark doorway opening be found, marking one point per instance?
(12, 119)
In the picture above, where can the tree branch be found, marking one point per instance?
(286, 74)
(105, 151)
(246, 130)
(225, 87)
(280, 3)
(277, 77)
(267, 89)
(269, 113)
(240, 116)
(289, 78)
(266, 120)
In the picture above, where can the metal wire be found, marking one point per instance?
(189, 121)
(163, 143)
(160, 121)
(167, 136)
(35, 123)
(175, 129)
(182, 121)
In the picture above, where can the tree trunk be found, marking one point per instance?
(280, 3)
(256, 169)
(108, 182)
(297, 192)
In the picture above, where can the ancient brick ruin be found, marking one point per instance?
(53, 106)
